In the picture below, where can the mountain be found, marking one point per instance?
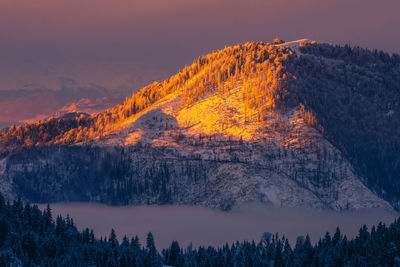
(38, 103)
(58, 94)
(294, 124)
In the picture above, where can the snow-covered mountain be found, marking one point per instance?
(30, 105)
(244, 124)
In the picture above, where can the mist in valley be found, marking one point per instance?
(203, 226)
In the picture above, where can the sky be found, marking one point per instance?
(115, 43)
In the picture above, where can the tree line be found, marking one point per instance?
(31, 237)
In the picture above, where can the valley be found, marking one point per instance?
(209, 227)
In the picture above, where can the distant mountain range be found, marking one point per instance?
(50, 95)
(290, 123)
(29, 105)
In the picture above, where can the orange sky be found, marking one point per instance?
(100, 41)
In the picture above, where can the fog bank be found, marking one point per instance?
(203, 226)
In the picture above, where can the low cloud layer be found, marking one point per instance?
(203, 226)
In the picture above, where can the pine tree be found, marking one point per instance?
(4, 230)
(152, 254)
(175, 255)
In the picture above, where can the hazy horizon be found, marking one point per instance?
(108, 43)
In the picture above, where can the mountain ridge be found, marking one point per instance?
(223, 114)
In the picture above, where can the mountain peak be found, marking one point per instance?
(295, 43)
(257, 68)
(288, 123)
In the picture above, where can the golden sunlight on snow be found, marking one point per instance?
(217, 116)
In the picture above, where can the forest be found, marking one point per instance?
(32, 237)
(354, 94)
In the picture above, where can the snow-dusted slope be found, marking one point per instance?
(281, 160)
